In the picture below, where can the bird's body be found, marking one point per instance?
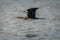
(32, 13)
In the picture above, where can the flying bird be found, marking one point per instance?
(31, 14)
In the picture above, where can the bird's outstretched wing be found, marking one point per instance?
(32, 13)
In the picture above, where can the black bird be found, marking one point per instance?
(32, 13)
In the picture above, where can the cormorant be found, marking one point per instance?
(31, 14)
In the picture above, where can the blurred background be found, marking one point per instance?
(12, 28)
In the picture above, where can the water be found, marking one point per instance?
(12, 28)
